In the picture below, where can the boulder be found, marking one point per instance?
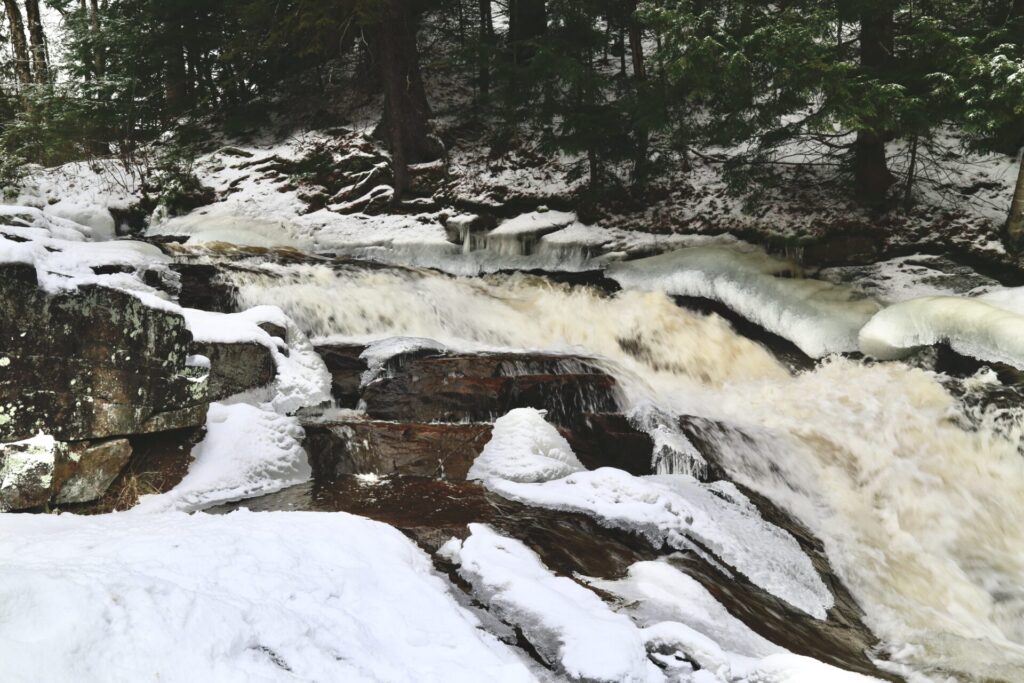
(39, 471)
(357, 446)
(91, 364)
(430, 387)
(27, 472)
(235, 368)
(92, 468)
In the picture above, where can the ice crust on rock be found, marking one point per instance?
(231, 598)
(819, 317)
(524, 447)
(988, 327)
(570, 626)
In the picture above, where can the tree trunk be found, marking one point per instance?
(636, 46)
(527, 21)
(872, 178)
(37, 37)
(99, 56)
(175, 80)
(405, 101)
(19, 44)
(486, 44)
(1015, 224)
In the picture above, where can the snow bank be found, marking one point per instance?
(524, 447)
(819, 317)
(247, 451)
(569, 626)
(678, 511)
(243, 597)
(989, 327)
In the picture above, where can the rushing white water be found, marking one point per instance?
(920, 517)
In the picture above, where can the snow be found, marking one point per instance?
(247, 451)
(677, 613)
(378, 353)
(819, 317)
(988, 327)
(678, 511)
(567, 624)
(524, 447)
(654, 592)
(243, 597)
(528, 461)
(96, 218)
(302, 379)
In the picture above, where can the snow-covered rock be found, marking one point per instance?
(524, 447)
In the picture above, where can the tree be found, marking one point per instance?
(393, 30)
(37, 38)
(18, 43)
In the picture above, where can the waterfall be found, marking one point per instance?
(919, 504)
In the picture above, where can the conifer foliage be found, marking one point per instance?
(861, 86)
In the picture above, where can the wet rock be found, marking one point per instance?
(275, 331)
(92, 468)
(126, 375)
(346, 368)
(235, 368)
(609, 440)
(202, 287)
(483, 387)
(444, 451)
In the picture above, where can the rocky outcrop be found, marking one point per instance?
(482, 387)
(446, 450)
(235, 368)
(357, 446)
(87, 368)
(346, 368)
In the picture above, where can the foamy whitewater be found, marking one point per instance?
(920, 518)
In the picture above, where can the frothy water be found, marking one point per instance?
(919, 505)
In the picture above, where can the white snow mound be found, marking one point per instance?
(524, 447)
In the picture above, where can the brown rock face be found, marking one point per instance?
(447, 450)
(346, 368)
(444, 451)
(235, 368)
(483, 387)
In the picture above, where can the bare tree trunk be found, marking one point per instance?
(1015, 223)
(37, 37)
(19, 44)
(405, 102)
(872, 178)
